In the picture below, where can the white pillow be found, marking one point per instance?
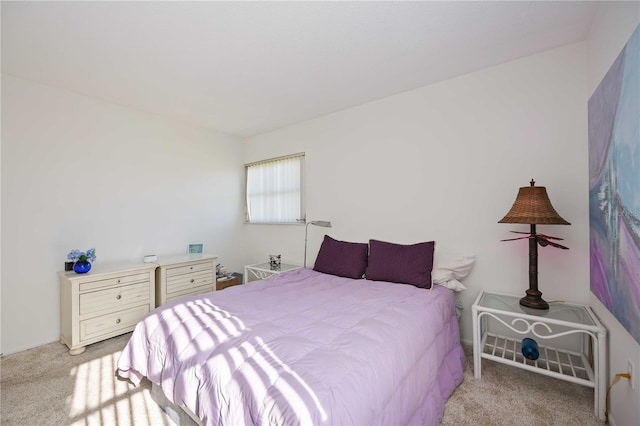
(449, 268)
(439, 276)
(453, 284)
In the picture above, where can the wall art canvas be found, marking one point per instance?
(614, 187)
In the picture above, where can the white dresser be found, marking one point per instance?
(107, 301)
(184, 275)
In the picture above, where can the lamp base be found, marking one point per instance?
(534, 300)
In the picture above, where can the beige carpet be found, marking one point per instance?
(46, 386)
(510, 396)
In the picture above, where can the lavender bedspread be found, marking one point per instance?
(303, 348)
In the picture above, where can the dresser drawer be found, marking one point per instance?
(115, 298)
(112, 323)
(187, 269)
(190, 292)
(181, 283)
(125, 279)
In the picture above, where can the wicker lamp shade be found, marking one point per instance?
(532, 206)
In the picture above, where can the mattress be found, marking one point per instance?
(303, 347)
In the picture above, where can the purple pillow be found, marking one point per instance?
(397, 263)
(342, 258)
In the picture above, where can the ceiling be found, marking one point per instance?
(249, 67)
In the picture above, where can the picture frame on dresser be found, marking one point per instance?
(195, 248)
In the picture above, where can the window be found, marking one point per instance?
(274, 190)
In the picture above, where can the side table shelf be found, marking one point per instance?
(552, 361)
(571, 341)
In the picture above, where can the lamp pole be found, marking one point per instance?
(533, 299)
(323, 223)
(306, 229)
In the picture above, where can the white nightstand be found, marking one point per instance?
(262, 271)
(572, 341)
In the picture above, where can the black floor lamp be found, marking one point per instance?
(323, 223)
(532, 207)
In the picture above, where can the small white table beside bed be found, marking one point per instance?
(262, 271)
(321, 346)
(500, 323)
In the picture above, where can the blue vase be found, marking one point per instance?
(530, 349)
(82, 266)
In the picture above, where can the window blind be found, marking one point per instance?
(274, 190)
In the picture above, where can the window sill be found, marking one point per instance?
(277, 223)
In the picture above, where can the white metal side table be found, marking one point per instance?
(572, 341)
(262, 271)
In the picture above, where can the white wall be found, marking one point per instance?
(614, 24)
(78, 172)
(444, 163)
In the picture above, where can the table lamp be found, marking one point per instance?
(532, 207)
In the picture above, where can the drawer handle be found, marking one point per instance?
(118, 281)
(118, 297)
(192, 280)
(118, 321)
(191, 267)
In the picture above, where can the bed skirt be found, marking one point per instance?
(181, 416)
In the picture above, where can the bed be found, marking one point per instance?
(303, 347)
